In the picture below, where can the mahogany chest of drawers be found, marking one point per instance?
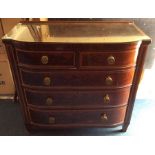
(76, 74)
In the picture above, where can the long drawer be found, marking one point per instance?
(77, 99)
(103, 117)
(105, 79)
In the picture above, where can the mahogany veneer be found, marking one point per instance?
(71, 99)
(81, 117)
(77, 78)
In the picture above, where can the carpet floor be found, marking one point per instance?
(142, 122)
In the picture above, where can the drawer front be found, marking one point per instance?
(77, 99)
(104, 79)
(46, 59)
(105, 117)
(107, 59)
(2, 49)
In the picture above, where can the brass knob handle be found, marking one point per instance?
(104, 117)
(49, 101)
(106, 98)
(44, 59)
(109, 80)
(51, 120)
(47, 81)
(111, 60)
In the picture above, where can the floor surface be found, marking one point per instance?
(142, 122)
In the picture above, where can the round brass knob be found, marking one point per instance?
(49, 101)
(47, 81)
(44, 59)
(51, 120)
(111, 60)
(104, 117)
(109, 80)
(106, 98)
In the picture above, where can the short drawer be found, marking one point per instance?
(108, 59)
(108, 79)
(77, 99)
(107, 117)
(52, 59)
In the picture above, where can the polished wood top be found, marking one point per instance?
(76, 32)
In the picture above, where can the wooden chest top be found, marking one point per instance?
(77, 32)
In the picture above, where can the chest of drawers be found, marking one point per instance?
(76, 74)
